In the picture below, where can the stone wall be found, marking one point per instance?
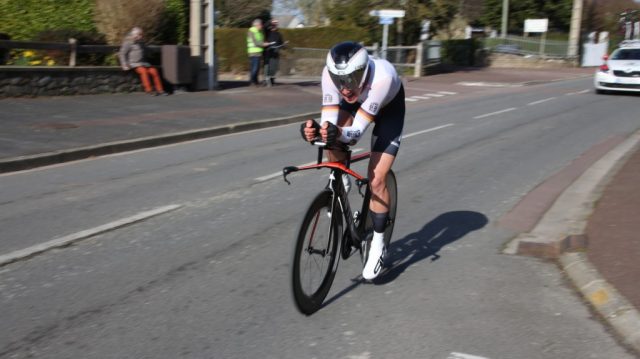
(498, 60)
(54, 81)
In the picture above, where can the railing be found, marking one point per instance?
(528, 46)
(403, 58)
(72, 48)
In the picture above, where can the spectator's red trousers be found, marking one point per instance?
(144, 73)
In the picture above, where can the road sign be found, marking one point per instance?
(386, 20)
(536, 25)
(387, 13)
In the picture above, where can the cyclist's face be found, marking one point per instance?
(349, 95)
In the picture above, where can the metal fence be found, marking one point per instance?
(408, 60)
(528, 46)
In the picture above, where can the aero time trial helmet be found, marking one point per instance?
(347, 63)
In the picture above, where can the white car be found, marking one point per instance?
(621, 70)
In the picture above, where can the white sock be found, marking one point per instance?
(373, 266)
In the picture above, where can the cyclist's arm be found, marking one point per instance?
(368, 110)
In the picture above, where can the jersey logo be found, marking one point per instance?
(373, 108)
(327, 98)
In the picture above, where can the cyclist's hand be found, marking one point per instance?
(329, 133)
(309, 130)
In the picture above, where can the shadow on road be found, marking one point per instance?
(441, 231)
(427, 242)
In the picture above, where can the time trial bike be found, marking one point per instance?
(330, 227)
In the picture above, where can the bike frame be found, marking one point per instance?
(337, 187)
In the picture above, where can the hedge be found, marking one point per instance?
(24, 19)
(231, 44)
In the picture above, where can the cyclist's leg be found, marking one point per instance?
(385, 143)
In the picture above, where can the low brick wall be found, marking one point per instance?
(54, 81)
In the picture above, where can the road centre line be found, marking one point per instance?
(577, 92)
(494, 113)
(455, 355)
(427, 130)
(75, 237)
(541, 101)
(279, 173)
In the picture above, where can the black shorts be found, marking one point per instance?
(387, 131)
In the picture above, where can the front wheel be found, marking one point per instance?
(316, 251)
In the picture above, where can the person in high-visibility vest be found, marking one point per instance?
(255, 48)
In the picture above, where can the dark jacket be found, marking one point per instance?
(273, 51)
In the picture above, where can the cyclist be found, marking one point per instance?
(357, 90)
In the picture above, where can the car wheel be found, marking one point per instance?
(601, 92)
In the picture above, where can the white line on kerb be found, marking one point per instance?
(495, 113)
(541, 101)
(276, 174)
(455, 355)
(427, 130)
(69, 239)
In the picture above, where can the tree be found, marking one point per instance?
(115, 18)
(240, 13)
(604, 15)
(557, 11)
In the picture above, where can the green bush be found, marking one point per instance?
(460, 52)
(231, 44)
(83, 38)
(24, 19)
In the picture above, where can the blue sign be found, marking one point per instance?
(386, 20)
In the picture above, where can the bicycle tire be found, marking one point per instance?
(392, 188)
(309, 291)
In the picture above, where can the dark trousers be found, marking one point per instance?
(270, 69)
(255, 69)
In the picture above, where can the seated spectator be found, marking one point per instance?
(132, 56)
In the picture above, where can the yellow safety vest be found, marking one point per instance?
(251, 46)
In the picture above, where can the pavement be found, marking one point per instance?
(595, 242)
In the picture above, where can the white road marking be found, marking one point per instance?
(72, 238)
(495, 113)
(433, 95)
(577, 92)
(455, 355)
(489, 84)
(410, 99)
(421, 97)
(427, 130)
(279, 173)
(541, 101)
(447, 93)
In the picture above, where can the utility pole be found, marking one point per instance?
(505, 18)
(574, 32)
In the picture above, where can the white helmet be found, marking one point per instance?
(348, 63)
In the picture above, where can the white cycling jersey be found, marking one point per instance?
(381, 86)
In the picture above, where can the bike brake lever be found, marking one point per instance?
(286, 171)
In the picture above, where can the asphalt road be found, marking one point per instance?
(209, 277)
